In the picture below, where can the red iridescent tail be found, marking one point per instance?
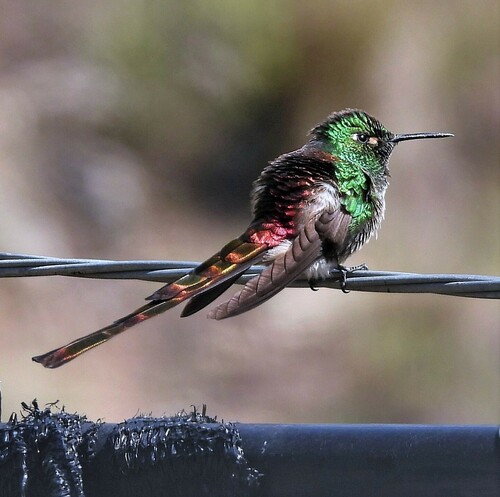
(220, 270)
(62, 355)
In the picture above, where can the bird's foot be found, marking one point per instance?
(312, 285)
(352, 269)
(345, 270)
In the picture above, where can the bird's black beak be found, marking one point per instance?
(418, 136)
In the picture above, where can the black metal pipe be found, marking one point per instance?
(374, 460)
(62, 454)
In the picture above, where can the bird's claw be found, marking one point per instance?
(312, 285)
(345, 270)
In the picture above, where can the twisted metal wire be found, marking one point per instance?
(460, 285)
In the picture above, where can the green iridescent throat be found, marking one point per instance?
(353, 186)
(356, 163)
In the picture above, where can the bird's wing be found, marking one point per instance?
(304, 250)
(221, 269)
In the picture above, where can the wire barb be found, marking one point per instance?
(460, 285)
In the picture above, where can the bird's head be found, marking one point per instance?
(354, 136)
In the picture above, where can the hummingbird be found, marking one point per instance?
(312, 208)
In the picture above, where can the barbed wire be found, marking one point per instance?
(460, 285)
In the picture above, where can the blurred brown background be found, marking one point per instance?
(133, 129)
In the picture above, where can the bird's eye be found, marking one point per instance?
(360, 137)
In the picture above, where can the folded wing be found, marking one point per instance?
(330, 227)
